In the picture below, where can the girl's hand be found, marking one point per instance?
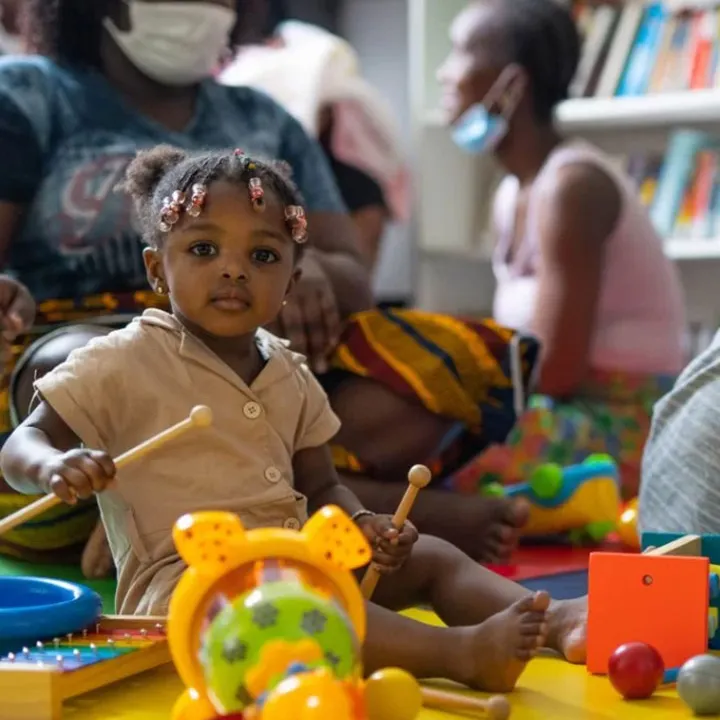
(77, 474)
(17, 309)
(391, 548)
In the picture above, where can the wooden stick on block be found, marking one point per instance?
(685, 546)
(495, 708)
(200, 417)
(418, 478)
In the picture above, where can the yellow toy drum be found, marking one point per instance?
(267, 619)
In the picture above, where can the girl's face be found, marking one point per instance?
(228, 270)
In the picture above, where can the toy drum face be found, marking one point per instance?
(252, 641)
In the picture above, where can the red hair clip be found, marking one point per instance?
(257, 194)
(171, 209)
(295, 215)
(197, 200)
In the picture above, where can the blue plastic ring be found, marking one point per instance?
(43, 608)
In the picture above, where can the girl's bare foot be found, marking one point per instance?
(97, 561)
(567, 629)
(497, 651)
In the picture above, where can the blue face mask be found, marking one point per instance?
(479, 131)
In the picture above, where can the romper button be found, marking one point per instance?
(292, 524)
(252, 410)
(273, 475)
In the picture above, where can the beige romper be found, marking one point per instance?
(125, 387)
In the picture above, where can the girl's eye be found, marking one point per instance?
(265, 256)
(203, 249)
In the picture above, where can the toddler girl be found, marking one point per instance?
(224, 234)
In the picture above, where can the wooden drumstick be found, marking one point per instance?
(496, 707)
(418, 477)
(200, 417)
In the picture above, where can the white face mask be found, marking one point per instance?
(174, 43)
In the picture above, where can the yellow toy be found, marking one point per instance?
(581, 499)
(268, 624)
(627, 528)
(268, 609)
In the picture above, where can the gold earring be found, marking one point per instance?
(284, 303)
(160, 289)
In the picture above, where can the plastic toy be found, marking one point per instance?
(581, 498)
(636, 670)
(627, 525)
(37, 678)
(32, 608)
(698, 684)
(255, 609)
(269, 624)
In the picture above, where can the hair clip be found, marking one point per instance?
(257, 194)
(197, 200)
(171, 209)
(238, 152)
(295, 215)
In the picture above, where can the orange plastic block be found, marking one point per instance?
(662, 601)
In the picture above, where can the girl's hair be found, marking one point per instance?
(544, 40)
(154, 175)
(65, 30)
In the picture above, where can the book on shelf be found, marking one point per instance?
(643, 48)
(681, 188)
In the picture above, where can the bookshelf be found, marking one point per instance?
(453, 191)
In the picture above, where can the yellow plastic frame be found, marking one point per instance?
(214, 544)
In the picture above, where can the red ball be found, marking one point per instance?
(635, 670)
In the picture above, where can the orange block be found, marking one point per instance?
(661, 601)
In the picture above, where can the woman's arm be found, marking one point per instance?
(370, 222)
(579, 212)
(332, 231)
(32, 446)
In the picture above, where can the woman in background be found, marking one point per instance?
(577, 261)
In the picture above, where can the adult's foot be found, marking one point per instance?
(496, 651)
(487, 529)
(567, 629)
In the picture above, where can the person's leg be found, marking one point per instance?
(492, 632)
(78, 526)
(390, 433)
(498, 618)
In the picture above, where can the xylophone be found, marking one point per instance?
(36, 679)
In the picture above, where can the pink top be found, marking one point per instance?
(641, 315)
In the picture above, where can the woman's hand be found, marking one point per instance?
(310, 319)
(17, 309)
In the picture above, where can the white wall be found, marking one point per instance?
(378, 31)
